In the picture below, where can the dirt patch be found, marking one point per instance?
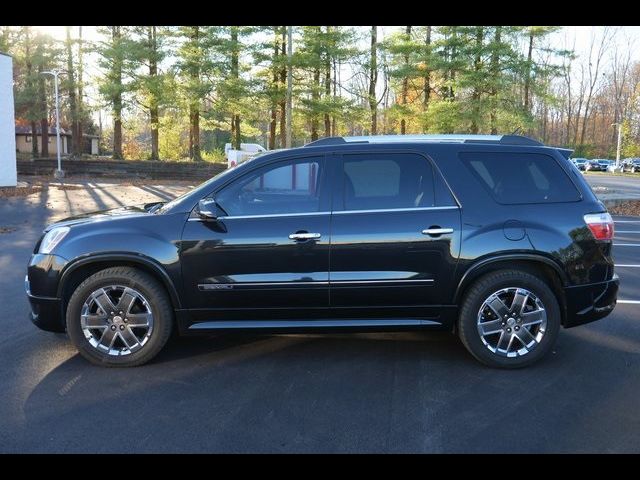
(73, 181)
(7, 230)
(6, 192)
(630, 207)
(69, 187)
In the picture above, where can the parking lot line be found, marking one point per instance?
(627, 231)
(626, 265)
(626, 221)
(626, 244)
(633, 302)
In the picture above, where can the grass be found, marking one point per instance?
(617, 174)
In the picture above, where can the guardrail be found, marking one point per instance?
(124, 168)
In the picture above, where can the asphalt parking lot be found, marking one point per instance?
(406, 392)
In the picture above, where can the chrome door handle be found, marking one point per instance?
(436, 231)
(304, 236)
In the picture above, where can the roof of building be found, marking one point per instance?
(26, 130)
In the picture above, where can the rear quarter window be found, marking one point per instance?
(521, 178)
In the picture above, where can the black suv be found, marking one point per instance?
(496, 238)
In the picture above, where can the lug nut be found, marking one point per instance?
(508, 330)
(121, 327)
(517, 328)
(113, 327)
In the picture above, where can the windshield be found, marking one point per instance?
(176, 200)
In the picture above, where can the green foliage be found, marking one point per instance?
(219, 84)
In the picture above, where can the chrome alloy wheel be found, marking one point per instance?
(116, 320)
(512, 322)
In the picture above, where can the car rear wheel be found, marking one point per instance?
(119, 317)
(509, 319)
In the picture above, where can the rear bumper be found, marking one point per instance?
(587, 303)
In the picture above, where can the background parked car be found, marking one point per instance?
(631, 165)
(579, 163)
(613, 167)
(593, 166)
(604, 164)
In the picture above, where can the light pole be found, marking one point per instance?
(619, 125)
(58, 173)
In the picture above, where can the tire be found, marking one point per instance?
(542, 303)
(146, 301)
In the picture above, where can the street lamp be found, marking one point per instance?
(619, 143)
(58, 173)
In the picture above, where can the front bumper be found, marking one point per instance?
(587, 303)
(41, 286)
(46, 313)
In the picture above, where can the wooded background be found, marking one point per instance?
(181, 92)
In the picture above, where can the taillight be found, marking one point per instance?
(600, 224)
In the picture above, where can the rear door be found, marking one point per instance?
(395, 234)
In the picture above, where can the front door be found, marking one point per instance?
(267, 255)
(395, 236)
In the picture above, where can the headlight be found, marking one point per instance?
(53, 238)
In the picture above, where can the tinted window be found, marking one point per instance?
(514, 178)
(287, 187)
(444, 198)
(382, 181)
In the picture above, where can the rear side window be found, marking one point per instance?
(517, 178)
(387, 181)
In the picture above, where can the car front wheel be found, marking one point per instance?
(509, 319)
(119, 317)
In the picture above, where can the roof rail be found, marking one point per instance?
(327, 141)
(446, 138)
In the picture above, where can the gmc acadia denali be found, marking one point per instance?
(496, 238)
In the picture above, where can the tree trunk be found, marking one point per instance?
(477, 87)
(335, 88)
(44, 121)
(194, 133)
(71, 90)
(315, 95)
(283, 83)
(34, 139)
(80, 99)
(117, 97)
(194, 106)
(495, 65)
(427, 71)
(373, 80)
(44, 128)
(154, 114)
(327, 85)
(405, 84)
(274, 102)
(237, 139)
(235, 72)
(527, 79)
(34, 129)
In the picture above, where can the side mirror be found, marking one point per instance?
(207, 208)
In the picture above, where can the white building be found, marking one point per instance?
(8, 173)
